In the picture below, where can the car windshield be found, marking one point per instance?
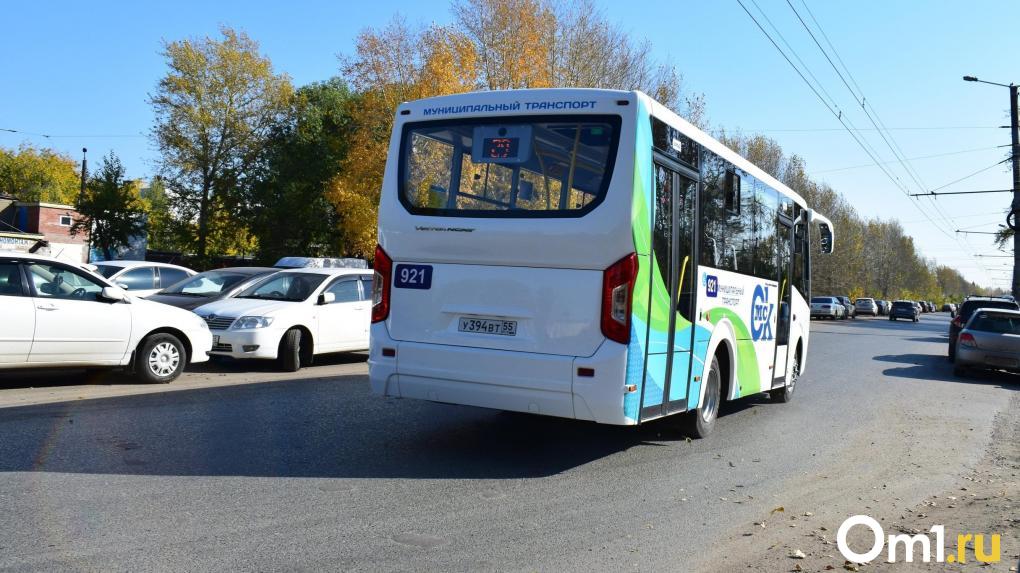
(207, 284)
(997, 323)
(108, 270)
(292, 287)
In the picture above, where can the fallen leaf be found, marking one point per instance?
(780, 509)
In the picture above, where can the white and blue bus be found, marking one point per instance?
(587, 254)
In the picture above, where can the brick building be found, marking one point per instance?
(37, 227)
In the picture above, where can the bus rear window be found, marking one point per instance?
(508, 167)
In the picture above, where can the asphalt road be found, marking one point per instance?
(234, 470)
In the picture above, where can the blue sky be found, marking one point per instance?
(81, 72)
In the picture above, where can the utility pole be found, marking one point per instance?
(1014, 212)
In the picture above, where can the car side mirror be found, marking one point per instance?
(327, 298)
(113, 294)
(123, 286)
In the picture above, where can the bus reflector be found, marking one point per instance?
(383, 267)
(631, 388)
(389, 352)
(586, 372)
(617, 290)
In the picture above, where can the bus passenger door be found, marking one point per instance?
(670, 332)
(784, 231)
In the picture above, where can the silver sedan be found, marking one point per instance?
(989, 340)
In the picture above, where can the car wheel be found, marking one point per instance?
(160, 359)
(952, 352)
(785, 394)
(290, 351)
(699, 422)
(959, 371)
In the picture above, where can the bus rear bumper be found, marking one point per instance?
(504, 380)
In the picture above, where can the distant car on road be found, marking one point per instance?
(950, 308)
(989, 340)
(907, 309)
(866, 306)
(827, 307)
(967, 309)
(60, 315)
(142, 278)
(210, 286)
(851, 311)
(883, 307)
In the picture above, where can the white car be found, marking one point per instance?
(57, 314)
(142, 278)
(294, 315)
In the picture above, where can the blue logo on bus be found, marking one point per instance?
(712, 285)
(761, 314)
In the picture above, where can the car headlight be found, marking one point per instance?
(249, 322)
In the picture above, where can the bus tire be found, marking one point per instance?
(699, 422)
(785, 394)
(290, 351)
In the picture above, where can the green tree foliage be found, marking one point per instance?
(290, 213)
(165, 230)
(215, 110)
(110, 211)
(38, 174)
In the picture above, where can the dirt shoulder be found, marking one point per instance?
(982, 499)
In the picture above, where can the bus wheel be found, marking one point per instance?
(699, 422)
(785, 394)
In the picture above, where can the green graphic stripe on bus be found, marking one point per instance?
(642, 233)
(748, 379)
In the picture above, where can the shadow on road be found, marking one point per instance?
(55, 377)
(326, 427)
(936, 368)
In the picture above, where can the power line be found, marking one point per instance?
(933, 156)
(87, 135)
(819, 129)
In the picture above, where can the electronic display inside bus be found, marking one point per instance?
(508, 144)
(500, 147)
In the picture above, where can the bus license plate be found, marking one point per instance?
(488, 326)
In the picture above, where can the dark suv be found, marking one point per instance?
(903, 309)
(966, 309)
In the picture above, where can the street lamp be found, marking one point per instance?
(1014, 211)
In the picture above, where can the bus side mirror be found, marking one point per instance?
(826, 237)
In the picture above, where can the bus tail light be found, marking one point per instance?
(383, 267)
(967, 339)
(617, 298)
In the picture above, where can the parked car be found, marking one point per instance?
(827, 307)
(907, 309)
(866, 306)
(293, 315)
(967, 309)
(950, 308)
(883, 307)
(851, 311)
(142, 278)
(990, 339)
(210, 286)
(58, 314)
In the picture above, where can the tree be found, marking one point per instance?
(165, 230)
(214, 112)
(110, 211)
(290, 212)
(39, 174)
